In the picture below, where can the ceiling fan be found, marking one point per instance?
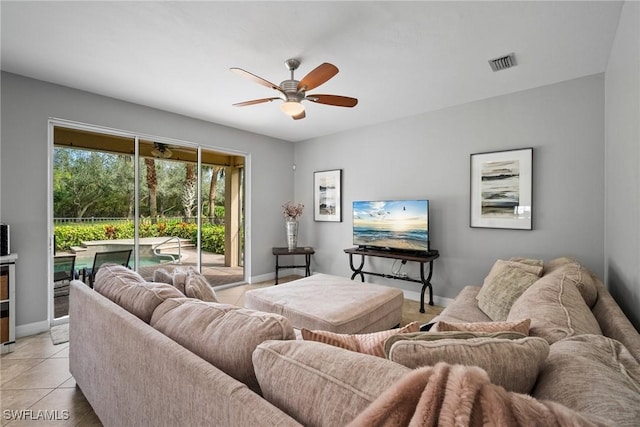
(292, 91)
(161, 150)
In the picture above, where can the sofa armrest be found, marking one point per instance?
(614, 323)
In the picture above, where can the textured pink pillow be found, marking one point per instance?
(372, 343)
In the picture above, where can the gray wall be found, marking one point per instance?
(27, 104)
(622, 124)
(427, 156)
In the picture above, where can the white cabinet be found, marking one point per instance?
(8, 302)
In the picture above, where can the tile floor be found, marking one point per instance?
(36, 386)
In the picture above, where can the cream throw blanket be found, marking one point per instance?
(456, 395)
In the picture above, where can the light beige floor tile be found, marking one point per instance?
(18, 400)
(64, 407)
(411, 312)
(70, 383)
(235, 291)
(64, 350)
(38, 346)
(50, 373)
(227, 299)
(11, 368)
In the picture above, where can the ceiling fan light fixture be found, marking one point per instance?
(161, 151)
(292, 108)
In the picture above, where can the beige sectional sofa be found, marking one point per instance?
(144, 354)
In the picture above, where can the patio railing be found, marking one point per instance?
(96, 219)
(156, 249)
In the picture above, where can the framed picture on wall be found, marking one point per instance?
(327, 195)
(501, 187)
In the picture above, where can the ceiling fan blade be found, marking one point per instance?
(254, 101)
(256, 79)
(339, 101)
(299, 116)
(317, 76)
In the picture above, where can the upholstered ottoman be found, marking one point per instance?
(331, 303)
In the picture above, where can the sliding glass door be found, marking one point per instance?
(144, 202)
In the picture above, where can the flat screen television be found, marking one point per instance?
(395, 225)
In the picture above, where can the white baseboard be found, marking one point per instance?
(32, 328)
(262, 278)
(281, 273)
(437, 300)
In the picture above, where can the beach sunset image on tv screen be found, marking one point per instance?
(393, 224)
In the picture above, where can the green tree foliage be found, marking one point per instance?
(97, 184)
(90, 184)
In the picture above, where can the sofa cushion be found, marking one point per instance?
(594, 375)
(321, 385)
(222, 334)
(130, 291)
(513, 364)
(504, 284)
(555, 263)
(371, 343)
(197, 286)
(556, 309)
(581, 277)
(521, 326)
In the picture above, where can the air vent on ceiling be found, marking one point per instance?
(503, 62)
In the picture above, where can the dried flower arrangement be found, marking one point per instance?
(291, 211)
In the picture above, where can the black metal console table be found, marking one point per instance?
(421, 258)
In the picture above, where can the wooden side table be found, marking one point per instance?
(307, 251)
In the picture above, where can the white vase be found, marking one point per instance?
(292, 234)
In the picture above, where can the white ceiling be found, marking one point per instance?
(398, 58)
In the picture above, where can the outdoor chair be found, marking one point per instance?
(112, 257)
(64, 268)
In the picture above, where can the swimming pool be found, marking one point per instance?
(143, 261)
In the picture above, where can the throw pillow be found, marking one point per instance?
(160, 275)
(529, 265)
(521, 326)
(127, 289)
(556, 309)
(222, 334)
(372, 343)
(594, 375)
(448, 335)
(513, 364)
(321, 385)
(196, 286)
(537, 264)
(179, 279)
(504, 284)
